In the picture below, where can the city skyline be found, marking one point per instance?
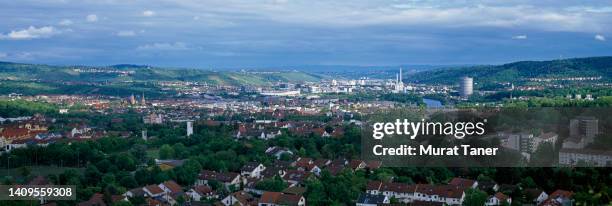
(221, 34)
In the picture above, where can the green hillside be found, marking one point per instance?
(118, 73)
(591, 66)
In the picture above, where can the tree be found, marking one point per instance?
(166, 152)
(180, 151)
(126, 162)
(528, 182)
(128, 181)
(275, 184)
(24, 171)
(107, 179)
(315, 193)
(474, 197)
(139, 151)
(122, 203)
(92, 175)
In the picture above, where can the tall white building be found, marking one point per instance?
(466, 86)
(189, 128)
(144, 135)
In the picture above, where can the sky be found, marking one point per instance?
(268, 33)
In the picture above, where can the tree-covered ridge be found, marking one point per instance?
(125, 72)
(512, 72)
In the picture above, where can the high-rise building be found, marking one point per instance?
(189, 128)
(584, 127)
(466, 87)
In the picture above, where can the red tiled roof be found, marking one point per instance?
(269, 197)
(202, 189)
(222, 177)
(280, 198)
(501, 196)
(461, 182)
(154, 189)
(373, 185)
(173, 186)
(561, 193)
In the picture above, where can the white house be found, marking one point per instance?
(498, 199)
(252, 169)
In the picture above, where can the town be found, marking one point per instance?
(250, 145)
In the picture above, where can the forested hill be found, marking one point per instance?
(577, 67)
(127, 72)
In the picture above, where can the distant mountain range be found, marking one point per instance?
(591, 66)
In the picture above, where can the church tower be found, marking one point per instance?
(132, 100)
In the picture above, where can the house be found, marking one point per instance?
(15, 133)
(302, 162)
(269, 134)
(153, 119)
(366, 199)
(95, 200)
(295, 190)
(201, 192)
(20, 143)
(550, 202)
(307, 164)
(278, 168)
(337, 133)
(228, 178)
(117, 198)
(373, 187)
(321, 163)
(448, 194)
(171, 187)
(277, 199)
(463, 183)
(593, 157)
(136, 192)
(295, 177)
(153, 191)
(153, 202)
(535, 196)
(563, 197)
(278, 152)
(273, 171)
(81, 132)
(498, 199)
(488, 185)
(240, 198)
(410, 193)
(252, 169)
(373, 164)
(334, 169)
(251, 186)
(403, 192)
(357, 164)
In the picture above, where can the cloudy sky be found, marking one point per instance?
(261, 33)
